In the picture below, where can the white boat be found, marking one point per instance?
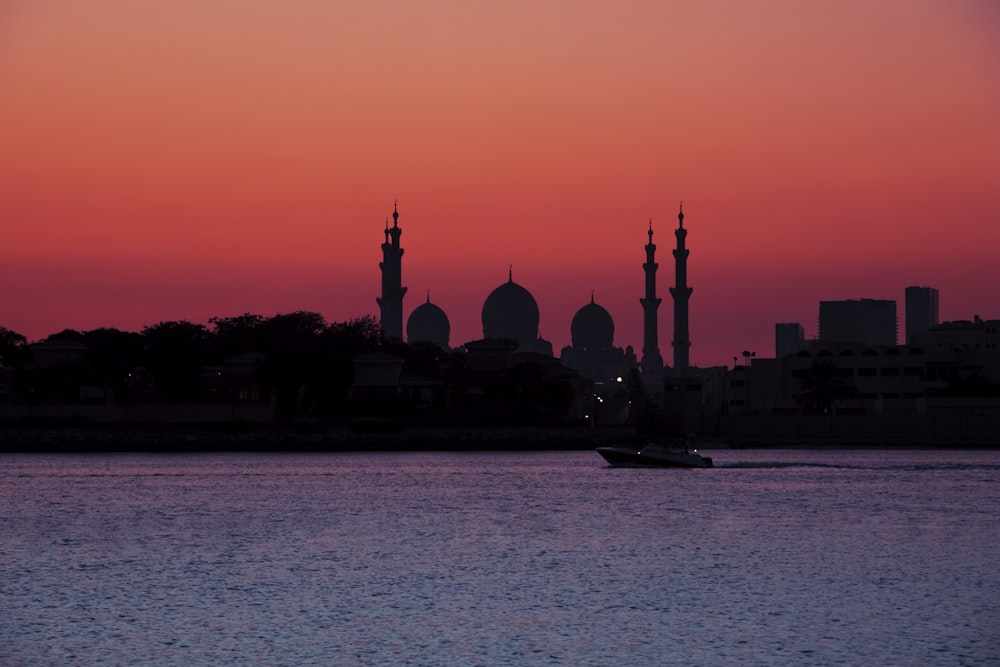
(678, 454)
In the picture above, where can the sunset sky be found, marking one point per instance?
(182, 159)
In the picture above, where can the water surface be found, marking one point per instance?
(777, 557)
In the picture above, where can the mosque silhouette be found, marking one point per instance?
(510, 312)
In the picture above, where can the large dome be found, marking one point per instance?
(428, 324)
(511, 312)
(592, 328)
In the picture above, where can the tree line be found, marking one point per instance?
(300, 362)
(303, 360)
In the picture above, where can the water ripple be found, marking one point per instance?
(775, 557)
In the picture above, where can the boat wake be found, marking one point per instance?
(855, 466)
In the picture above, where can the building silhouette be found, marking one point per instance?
(391, 302)
(789, 338)
(592, 328)
(852, 384)
(510, 312)
(921, 310)
(864, 322)
(652, 362)
(593, 353)
(681, 293)
(428, 324)
(961, 336)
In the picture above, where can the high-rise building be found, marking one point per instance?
(789, 338)
(870, 322)
(921, 310)
(681, 293)
(391, 302)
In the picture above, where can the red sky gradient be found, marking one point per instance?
(179, 159)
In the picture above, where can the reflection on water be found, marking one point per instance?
(773, 557)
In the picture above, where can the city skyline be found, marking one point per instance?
(177, 160)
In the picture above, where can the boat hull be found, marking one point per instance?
(627, 457)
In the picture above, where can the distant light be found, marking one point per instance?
(619, 378)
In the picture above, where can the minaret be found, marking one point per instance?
(391, 302)
(681, 293)
(652, 362)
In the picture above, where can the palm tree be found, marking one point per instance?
(823, 386)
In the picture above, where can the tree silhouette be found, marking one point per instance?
(14, 354)
(175, 353)
(13, 347)
(822, 386)
(54, 379)
(342, 341)
(291, 345)
(111, 357)
(236, 335)
(67, 334)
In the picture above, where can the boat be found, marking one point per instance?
(678, 454)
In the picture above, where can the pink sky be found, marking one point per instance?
(179, 159)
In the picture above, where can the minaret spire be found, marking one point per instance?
(391, 301)
(652, 362)
(681, 293)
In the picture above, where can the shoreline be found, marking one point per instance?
(168, 439)
(189, 439)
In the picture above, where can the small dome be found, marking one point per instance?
(592, 328)
(428, 324)
(511, 312)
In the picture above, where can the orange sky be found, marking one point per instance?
(179, 159)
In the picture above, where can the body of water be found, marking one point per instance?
(774, 557)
